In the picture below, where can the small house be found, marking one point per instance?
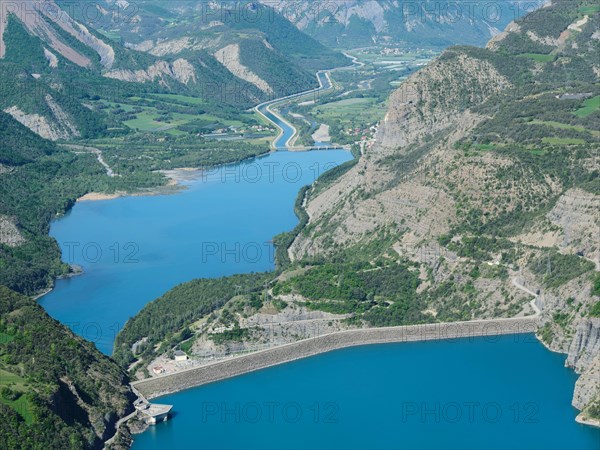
(158, 370)
(180, 356)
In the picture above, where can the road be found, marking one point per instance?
(287, 131)
(96, 152)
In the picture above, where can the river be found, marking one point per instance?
(287, 130)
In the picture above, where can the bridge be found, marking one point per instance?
(305, 148)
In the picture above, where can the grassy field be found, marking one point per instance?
(565, 126)
(538, 57)
(17, 384)
(589, 9)
(590, 106)
(563, 141)
(180, 98)
(351, 110)
(152, 119)
(147, 121)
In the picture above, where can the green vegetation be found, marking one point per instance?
(563, 141)
(538, 57)
(594, 409)
(590, 106)
(162, 320)
(380, 294)
(40, 365)
(236, 335)
(596, 286)
(557, 269)
(595, 311)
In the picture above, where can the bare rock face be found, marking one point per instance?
(62, 118)
(54, 127)
(52, 59)
(229, 56)
(183, 71)
(40, 18)
(576, 213)
(433, 98)
(180, 70)
(38, 124)
(170, 47)
(584, 357)
(9, 234)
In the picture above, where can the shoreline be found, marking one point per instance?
(239, 365)
(584, 420)
(175, 178)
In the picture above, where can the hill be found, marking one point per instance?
(56, 390)
(485, 175)
(58, 61)
(363, 23)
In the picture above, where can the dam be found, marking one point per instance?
(198, 376)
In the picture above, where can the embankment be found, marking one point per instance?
(220, 370)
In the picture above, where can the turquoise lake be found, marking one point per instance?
(134, 249)
(481, 393)
(484, 393)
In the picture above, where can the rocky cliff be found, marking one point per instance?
(485, 171)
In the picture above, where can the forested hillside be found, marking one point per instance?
(56, 390)
(61, 69)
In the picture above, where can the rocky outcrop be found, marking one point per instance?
(371, 196)
(180, 70)
(169, 47)
(62, 118)
(52, 59)
(432, 99)
(28, 12)
(9, 234)
(40, 17)
(55, 127)
(584, 357)
(229, 56)
(512, 27)
(576, 213)
(38, 124)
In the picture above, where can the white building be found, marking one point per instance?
(180, 356)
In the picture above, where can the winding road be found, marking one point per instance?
(287, 131)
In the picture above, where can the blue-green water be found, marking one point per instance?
(425, 395)
(484, 393)
(282, 141)
(134, 249)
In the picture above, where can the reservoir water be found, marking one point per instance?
(134, 249)
(484, 393)
(479, 394)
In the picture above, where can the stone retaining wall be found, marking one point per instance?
(154, 387)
